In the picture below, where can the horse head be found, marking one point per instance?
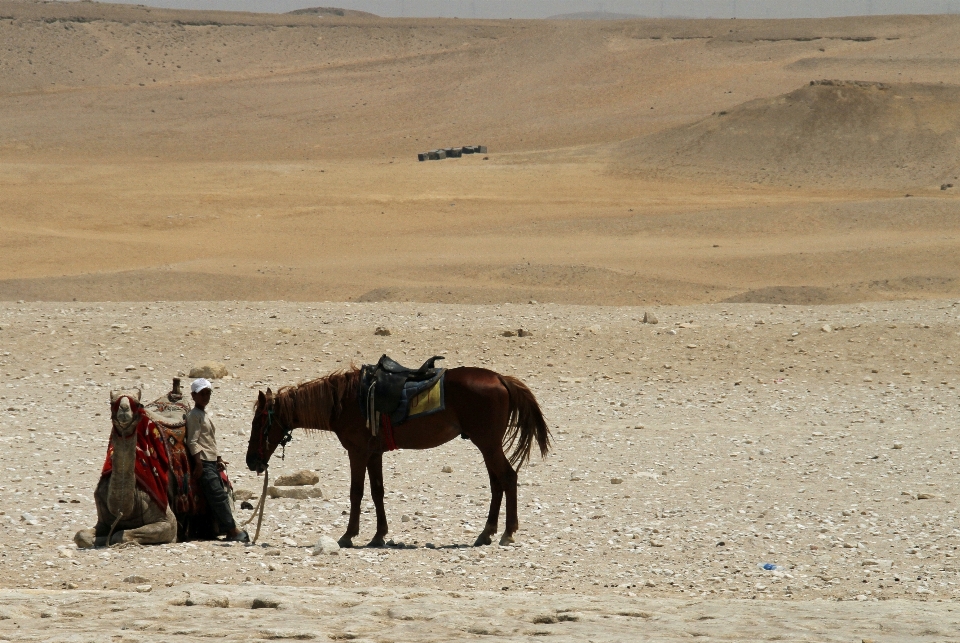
(270, 429)
(125, 411)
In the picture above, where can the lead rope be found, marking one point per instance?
(261, 505)
(112, 527)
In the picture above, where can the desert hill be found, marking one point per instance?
(331, 11)
(168, 154)
(828, 133)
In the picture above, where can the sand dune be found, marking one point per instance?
(849, 134)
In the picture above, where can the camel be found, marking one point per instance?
(125, 512)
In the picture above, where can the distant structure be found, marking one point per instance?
(451, 152)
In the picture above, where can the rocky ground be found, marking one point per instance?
(687, 453)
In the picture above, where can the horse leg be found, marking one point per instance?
(496, 497)
(499, 468)
(375, 470)
(357, 474)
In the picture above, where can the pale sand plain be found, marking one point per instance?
(742, 434)
(234, 159)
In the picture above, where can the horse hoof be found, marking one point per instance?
(345, 543)
(483, 539)
(376, 542)
(506, 540)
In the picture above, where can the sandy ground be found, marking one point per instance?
(203, 166)
(743, 434)
(149, 154)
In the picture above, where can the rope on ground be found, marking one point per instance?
(258, 510)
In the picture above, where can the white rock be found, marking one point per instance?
(209, 370)
(575, 477)
(447, 469)
(297, 493)
(298, 479)
(29, 518)
(290, 542)
(404, 518)
(143, 589)
(326, 545)
(616, 480)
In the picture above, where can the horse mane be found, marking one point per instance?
(315, 404)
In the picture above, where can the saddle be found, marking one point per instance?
(387, 387)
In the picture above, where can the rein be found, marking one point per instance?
(261, 506)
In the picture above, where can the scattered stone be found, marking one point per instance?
(65, 553)
(639, 427)
(265, 602)
(616, 480)
(29, 518)
(650, 318)
(296, 493)
(209, 370)
(826, 328)
(326, 545)
(49, 612)
(71, 586)
(523, 333)
(299, 479)
(382, 331)
(135, 579)
(243, 494)
(143, 589)
(509, 333)
(289, 542)
(404, 518)
(285, 331)
(447, 469)
(898, 445)
(575, 477)
(925, 496)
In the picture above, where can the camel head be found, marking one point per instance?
(125, 410)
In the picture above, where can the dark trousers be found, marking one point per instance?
(216, 495)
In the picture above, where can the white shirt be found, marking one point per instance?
(201, 435)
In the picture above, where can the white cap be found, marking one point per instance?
(199, 384)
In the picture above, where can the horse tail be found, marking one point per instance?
(524, 424)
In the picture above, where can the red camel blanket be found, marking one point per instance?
(153, 461)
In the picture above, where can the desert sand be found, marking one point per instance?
(150, 154)
(178, 187)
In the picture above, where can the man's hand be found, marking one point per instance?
(197, 467)
(221, 464)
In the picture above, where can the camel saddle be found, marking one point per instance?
(387, 388)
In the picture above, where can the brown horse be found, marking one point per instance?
(496, 412)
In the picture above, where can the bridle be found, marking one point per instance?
(265, 434)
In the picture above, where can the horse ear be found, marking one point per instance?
(139, 394)
(261, 400)
(113, 395)
(269, 393)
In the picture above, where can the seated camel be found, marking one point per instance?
(131, 496)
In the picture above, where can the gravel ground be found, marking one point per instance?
(686, 453)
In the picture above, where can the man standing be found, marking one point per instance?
(202, 445)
